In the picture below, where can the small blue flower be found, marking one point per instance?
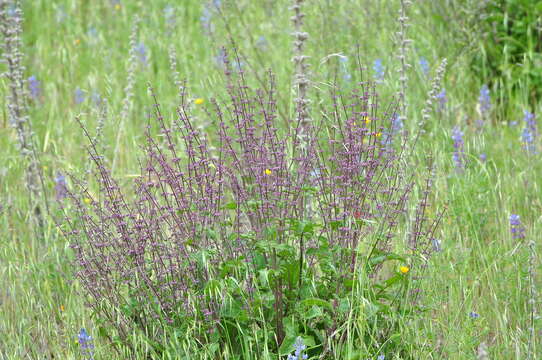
(424, 65)
(344, 68)
(34, 87)
(61, 190)
(141, 51)
(299, 348)
(484, 100)
(442, 100)
(381, 357)
(458, 155)
(79, 96)
(378, 69)
(474, 315)
(517, 230)
(529, 132)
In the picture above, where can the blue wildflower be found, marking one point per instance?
(529, 132)
(458, 155)
(517, 230)
(34, 87)
(378, 69)
(344, 68)
(86, 345)
(474, 315)
(141, 51)
(79, 96)
(482, 157)
(381, 357)
(424, 65)
(299, 348)
(484, 100)
(61, 189)
(442, 100)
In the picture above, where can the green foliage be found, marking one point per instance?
(510, 50)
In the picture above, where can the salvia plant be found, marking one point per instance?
(248, 230)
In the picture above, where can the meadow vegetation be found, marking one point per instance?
(274, 179)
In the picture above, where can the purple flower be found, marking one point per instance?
(86, 345)
(378, 69)
(79, 96)
(458, 155)
(299, 347)
(381, 357)
(529, 132)
(484, 100)
(34, 87)
(61, 190)
(517, 230)
(483, 157)
(474, 315)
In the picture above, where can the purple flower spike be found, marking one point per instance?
(517, 230)
(458, 155)
(86, 345)
(34, 87)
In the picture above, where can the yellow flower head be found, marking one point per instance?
(198, 101)
(378, 134)
(367, 120)
(62, 308)
(268, 172)
(87, 201)
(404, 269)
(117, 7)
(77, 41)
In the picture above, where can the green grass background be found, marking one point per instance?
(481, 268)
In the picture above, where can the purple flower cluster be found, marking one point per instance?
(200, 203)
(458, 154)
(517, 230)
(529, 132)
(78, 96)
(85, 344)
(61, 190)
(484, 102)
(299, 348)
(34, 87)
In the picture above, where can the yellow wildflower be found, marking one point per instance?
(87, 201)
(378, 134)
(198, 101)
(117, 7)
(404, 269)
(367, 120)
(61, 308)
(77, 41)
(268, 172)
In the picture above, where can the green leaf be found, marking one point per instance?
(318, 302)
